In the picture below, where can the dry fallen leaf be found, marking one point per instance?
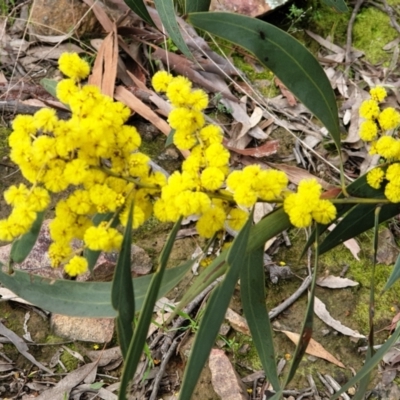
(64, 387)
(22, 347)
(286, 92)
(351, 244)
(335, 282)
(268, 148)
(104, 71)
(314, 349)
(237, 322)
(323, 314)
(261, 210)
(256, 116)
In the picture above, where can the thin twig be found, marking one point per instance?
(336, 386)
(350, 35)
(17, 107)
(179, 322)
(390, 12)
(163, 366)
(325, 383)
(290, 300)
(313, 387)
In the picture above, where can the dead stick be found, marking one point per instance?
(390, 12)
(179, 322)
(349, 34)
(17, 107)
(290, 300)
(163, 366)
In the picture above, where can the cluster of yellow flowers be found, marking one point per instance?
(378, 128)
(306, 205)
(193, 191)
(205, 173)
(94, 157)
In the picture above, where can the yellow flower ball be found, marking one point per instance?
(393, 173)
(45, 119)
(368, 131)
(6, 230)
(211, 222)
(76, 266)
(161, 81)
(178, 91)
(388, 147)
(66, 89)
(369, 109)
(198, 100)
(237, 218)
(324, 212)
(375, 178)
(392, 192)
(378, 93)
(389, 118)
(300, 216)
(15, 195)
(212, 178)
(73, 66)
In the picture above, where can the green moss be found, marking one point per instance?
(53, 339)
(371, 32)
(250, 359)
(4, 134)
(153, 148)
(69, 361)
(327, 22)
(361, 272)
(262, 80)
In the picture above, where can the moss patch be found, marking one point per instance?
(371, 32)
(327, 22)
(69, 361)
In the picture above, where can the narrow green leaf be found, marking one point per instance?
(277, 396)
(252, 289)
(364, 382)
(139, 8)
(50, 85)
(370, 364)
(339, 5)
(216, 269)
(214, 312)
(196, 5)
(307, 329)
(273, 224)
(22, 247)
(358, 220)
(139, 338)
(287, 58)
(394, 276)
(122, 295)
(170, 138)
(167, 15)
(82, 299)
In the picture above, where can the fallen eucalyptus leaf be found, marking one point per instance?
(323, 314)
(314, 348)
(335, 282)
